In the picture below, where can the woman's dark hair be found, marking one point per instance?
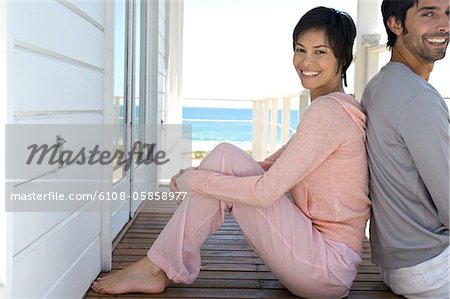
(397, 9)
(340, 32)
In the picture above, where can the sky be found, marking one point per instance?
(242, 49)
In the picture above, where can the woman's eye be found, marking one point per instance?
(300, 50)
(320, 52)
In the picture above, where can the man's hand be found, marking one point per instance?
(265, 165)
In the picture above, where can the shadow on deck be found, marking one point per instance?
(229, 267)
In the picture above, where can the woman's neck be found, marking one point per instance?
(315, 93)
(400, 53)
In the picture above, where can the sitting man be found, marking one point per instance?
(408, 143)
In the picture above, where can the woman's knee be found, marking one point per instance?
(226, 149)
(230, 159)
(210, 162)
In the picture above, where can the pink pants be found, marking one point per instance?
(284, 238)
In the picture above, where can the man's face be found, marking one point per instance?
(426, 32)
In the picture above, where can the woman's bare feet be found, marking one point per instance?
(140, 277)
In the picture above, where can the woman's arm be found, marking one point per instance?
(268, 162)
(319, 134)
(277, 154)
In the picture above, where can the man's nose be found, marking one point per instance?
(444, 24)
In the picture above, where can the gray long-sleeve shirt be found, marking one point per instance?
(408, 143)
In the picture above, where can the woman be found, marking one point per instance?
(313, 244)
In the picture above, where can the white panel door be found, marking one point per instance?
(130, 181)
(120, 209)
(140, 171)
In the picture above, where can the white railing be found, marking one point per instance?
(266, 123)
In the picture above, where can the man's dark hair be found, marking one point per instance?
(397, 9)
(340, 32)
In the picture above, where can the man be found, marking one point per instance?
(408, 143)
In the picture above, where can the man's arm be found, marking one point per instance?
(425, 128)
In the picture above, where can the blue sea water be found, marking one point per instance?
(225, 131)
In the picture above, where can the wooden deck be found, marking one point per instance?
(229, 267)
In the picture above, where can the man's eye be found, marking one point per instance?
(428, 14)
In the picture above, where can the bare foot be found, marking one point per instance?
(140, 277)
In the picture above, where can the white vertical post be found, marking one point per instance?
(373, 54)
(155, 131)
(303, 105)
(174, 54)
(366, 22)
(286, 120)
(256, 149)
(265, 127)
(108, 143)
(273, 125)
(116, 119)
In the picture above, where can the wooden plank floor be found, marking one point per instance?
(229, 267)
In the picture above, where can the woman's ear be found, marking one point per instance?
(395, 25)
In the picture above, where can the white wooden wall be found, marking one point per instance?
(5, 248)
(56, 67)
(56, 75)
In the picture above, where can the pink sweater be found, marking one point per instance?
(323, 165)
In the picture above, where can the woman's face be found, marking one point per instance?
(316, 64)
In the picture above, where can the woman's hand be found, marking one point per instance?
(173, 182)
(173, 185)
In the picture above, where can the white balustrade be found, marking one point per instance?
(265, 128)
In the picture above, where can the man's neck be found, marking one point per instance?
(400, 53)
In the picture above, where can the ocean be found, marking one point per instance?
(225, 124)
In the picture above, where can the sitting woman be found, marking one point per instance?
(312, 244)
